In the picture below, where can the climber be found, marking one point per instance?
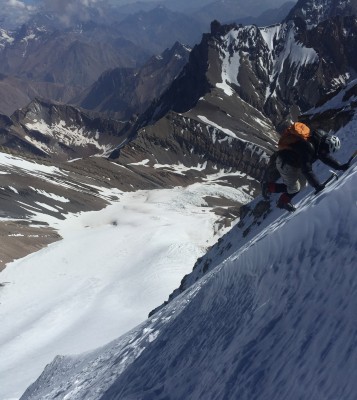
(298, 148)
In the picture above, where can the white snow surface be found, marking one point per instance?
(297, 53)
(110, 270)
(270, 34)
(225, 130)
(340, 101)
(293, 52)
(230, 64)
(275, 320)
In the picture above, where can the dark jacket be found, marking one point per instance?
(304, 153)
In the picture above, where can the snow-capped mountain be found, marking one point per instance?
(60, 132)
(60, 60)
(273, 318)
(279, 70)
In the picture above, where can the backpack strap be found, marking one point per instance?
(319, 136)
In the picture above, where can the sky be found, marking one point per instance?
(15, 12)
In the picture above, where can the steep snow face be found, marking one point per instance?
(275, 319)
(293, 56)
(276, 50)
(296, 53)
(271, 34)
(230, 62)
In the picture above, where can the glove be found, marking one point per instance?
(344, 167)
(319, 188)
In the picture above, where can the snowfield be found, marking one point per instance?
(110, 270)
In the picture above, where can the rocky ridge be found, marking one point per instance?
(314, 12)
(123, 92)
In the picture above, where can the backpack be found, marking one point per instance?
(293, 134)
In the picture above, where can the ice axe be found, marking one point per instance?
(328, 180)
(352, 157)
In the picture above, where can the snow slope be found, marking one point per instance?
(275, 320)
(110, 270)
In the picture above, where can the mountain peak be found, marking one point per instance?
(316, 11)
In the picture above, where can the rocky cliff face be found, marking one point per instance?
(122, 92)
(314, 12)
(60, 132)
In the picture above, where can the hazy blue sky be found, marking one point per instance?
(18, 11)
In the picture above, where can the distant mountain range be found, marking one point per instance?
(114, 11)
(59, 64)
(56, 59)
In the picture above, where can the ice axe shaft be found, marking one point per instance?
(327, 181)
(330, 178)
(352, 157)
